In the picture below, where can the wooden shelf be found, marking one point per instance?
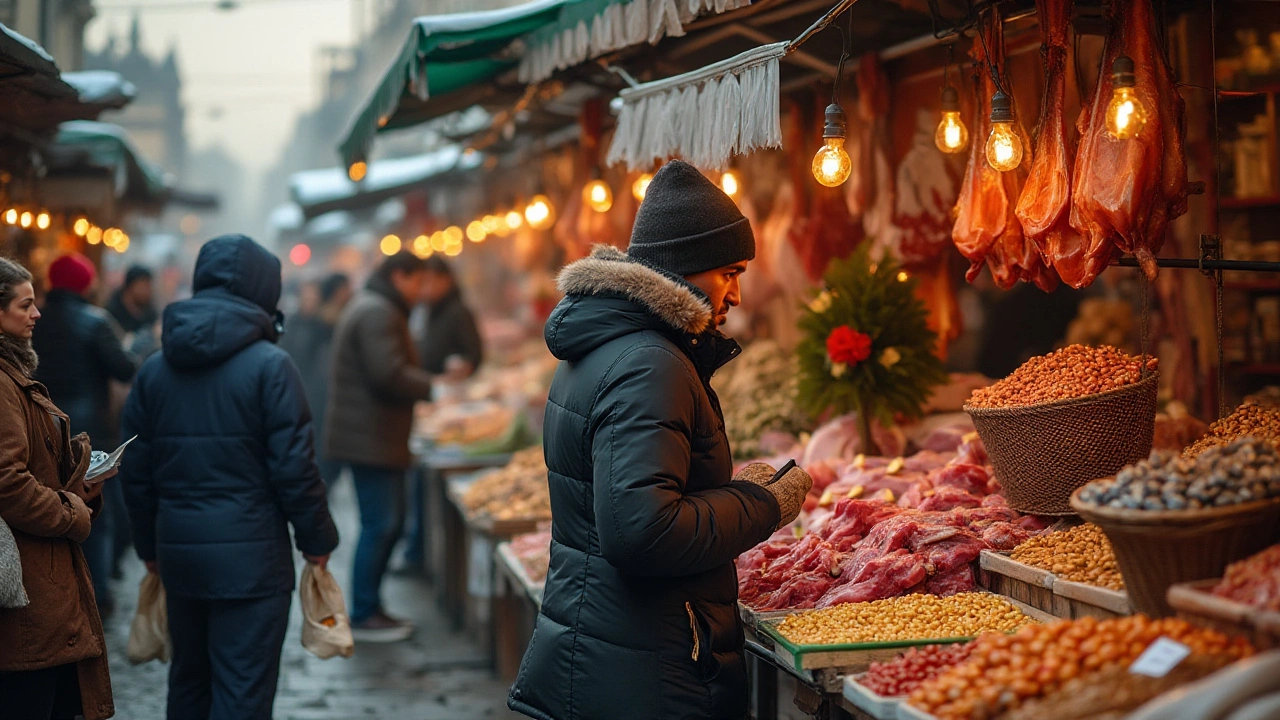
(1249, 203)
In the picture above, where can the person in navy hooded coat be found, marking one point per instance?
(222, 466)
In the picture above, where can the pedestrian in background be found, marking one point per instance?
(53, 661)
(448, 341)
(222, 466)
(134, 310)
(375, 382)
(82, 353)
(310, 343)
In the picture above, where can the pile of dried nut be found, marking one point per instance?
(1072, 372)
(517, 491)
(1247, 470)
(1081, 554)
(911, 617)
(1005, 671)
(1260, 421)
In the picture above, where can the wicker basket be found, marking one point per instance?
(1043, 452)
(1160, 548)
(1196, 604)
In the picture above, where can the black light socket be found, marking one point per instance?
(837, 124)
(950, 99)
(1001, 108)
(1122, 71)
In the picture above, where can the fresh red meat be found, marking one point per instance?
(954, 581)
(927, 460)
(1005, 535)
(800, 591)
(953, 552)
(972, 452)
(853, 519)
(1032, 523)
(948, 498)
(995, 501)
(889, 577)
(971, 478)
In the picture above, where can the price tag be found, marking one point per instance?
(1159, 658)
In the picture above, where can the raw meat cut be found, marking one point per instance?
(1044, 205)
(1005, 536)
(822, 229)
(1127, 191)
(926, 193)
(948, 498)
(986, 230)
(874, 178)
(953, 582)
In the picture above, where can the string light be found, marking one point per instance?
(492, 224)
(641, 186)
(80, 227)
(597, 195)
(11, 216)
(475, 231)
(93, 235)
(730, 185)
(540, 213)
(26, 219)
(453, 236)
(1004, 147)
(422, 246)
(437, 241)
(831, 164)
(902, 276)
(111, 237)
(514, 220)
(42, 220)
(390, 245)
(357, 171)
(123, 244)
(1126, 115)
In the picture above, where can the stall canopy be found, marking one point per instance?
(318, 192)
(105, 89)
(85, 145)
(35, 96)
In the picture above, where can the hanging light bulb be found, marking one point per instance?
(390, 245)
(514, 220)
(476, 232)
(26, 218)
(641, 186)
(831, 164)
(357, 170)
(952, 135)
(93, 235)
(11, 216)
(42, 220)
(1126, 115)
(540, 213)
(597, 195)
(730, 185)
(80, 227)
(1004, 147)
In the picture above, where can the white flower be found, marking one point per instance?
(890, 357)
(838, 370)
(821, 303)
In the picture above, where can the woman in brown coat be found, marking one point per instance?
(53, 662)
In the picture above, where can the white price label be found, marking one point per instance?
(1159, 658)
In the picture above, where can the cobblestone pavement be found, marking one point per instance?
(435, 675)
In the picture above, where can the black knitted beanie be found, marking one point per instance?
(687, 225)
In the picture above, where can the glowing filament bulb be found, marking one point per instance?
(1004, 147)
(597, 195)
(951, 136)
(1126, 115)
(641, 186)
(730, 185)
(831, 165)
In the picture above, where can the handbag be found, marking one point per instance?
(149, 634)
(12, 593)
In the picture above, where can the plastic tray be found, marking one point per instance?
(880, 707)
(911, 712)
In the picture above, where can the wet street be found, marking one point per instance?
(436, 674)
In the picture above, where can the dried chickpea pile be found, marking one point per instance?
(1005, 671)
(517, 491)
(1072, 372)
(1260, 421)
(1082, 554)
(911, 617)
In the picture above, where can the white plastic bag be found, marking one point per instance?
(326, 630)
(149, 636)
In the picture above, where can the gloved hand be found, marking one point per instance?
(81, 519)
(789, 491)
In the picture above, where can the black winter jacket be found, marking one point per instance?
(223, 463)
(639, 616)
(80, 354)
(449, 329)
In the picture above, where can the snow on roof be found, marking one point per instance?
(312, 187)
(101, 87)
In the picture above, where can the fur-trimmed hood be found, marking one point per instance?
(609, 271)
(608, 295)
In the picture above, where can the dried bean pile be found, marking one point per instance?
(910, 617)
(1082, 554)
(1260, 421)
(1245, 471)
(903, 675)
(1072, 372)
(1003, 672)
(1254, 581)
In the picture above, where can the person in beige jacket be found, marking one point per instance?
(53, 662)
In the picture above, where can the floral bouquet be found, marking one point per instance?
(867, 348)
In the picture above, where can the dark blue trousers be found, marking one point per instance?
(226, 657)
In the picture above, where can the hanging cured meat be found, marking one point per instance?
(1127, 191)
(986, 231)
(926, 194)
(1044, 207)
(822, 229)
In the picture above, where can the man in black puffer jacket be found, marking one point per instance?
(222, 466)
(639, 618)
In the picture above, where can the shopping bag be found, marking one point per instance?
(149, 636)
(326, 630)
(12, 592)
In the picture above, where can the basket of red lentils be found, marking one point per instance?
(1064, 419)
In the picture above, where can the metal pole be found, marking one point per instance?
(1189, 264)
(821, 24)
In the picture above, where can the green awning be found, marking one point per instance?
(87, 143)
(444, 54)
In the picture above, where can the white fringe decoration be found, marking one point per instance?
(704, 116)
(620, 25)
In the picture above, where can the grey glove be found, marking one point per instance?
(789, 491)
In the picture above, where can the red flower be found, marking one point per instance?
(846, 345)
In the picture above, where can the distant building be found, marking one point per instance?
(156, 119)
(57, 25)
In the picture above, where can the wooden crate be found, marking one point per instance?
(1044, 591)
(1197, 605)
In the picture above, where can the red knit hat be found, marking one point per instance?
(73, 272)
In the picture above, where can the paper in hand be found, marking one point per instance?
(101, 463)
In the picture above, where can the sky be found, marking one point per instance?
(247, 72)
